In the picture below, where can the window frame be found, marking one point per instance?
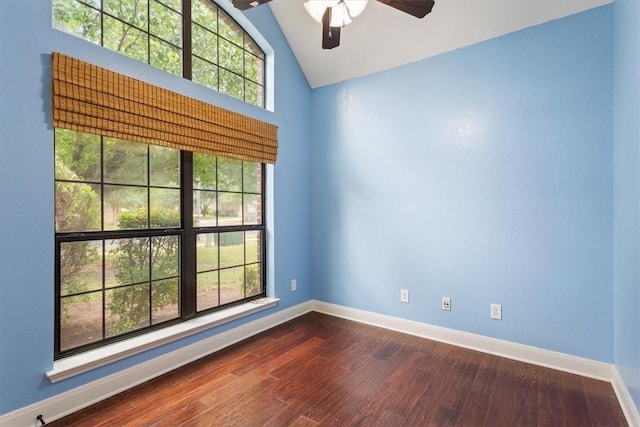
(186, 51)
(187, 268)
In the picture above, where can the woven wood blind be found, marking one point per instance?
(91, 99)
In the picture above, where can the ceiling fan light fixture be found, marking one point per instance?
(341, 10)
(335, 14)
(316, 8)
(355, 6)
(339, 15)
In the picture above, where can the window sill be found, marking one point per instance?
(74, 365)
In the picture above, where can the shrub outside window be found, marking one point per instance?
(190, 38)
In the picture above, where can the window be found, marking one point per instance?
(192, 38)
(147, 236)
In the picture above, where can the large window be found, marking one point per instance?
(147, 236)
(191, 38)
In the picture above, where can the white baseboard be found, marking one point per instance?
(550, 359)
(536, 356)
(81, 397)
(66, 403)
(626, 402)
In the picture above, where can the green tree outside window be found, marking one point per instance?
(222, 55)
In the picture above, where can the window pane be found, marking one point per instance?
(252, 246)
(205, 13)
(204, 43)
(231, 57)
(252, 209)
(253, 93)
(207, 294)
(165, 300)
(127, 309)
(204, 171)
(251, 67)
(204, 73)
(252, 177)
(164, 165)
(125, 162)
(229, 29)
(204, 209)
(125, 39)
(260, 76)
(133, 12)
(229, 209)
(173, 4)
(231, 84)
(164, 257)
(165, 208)
(231, 249)
(165, 56)
(229, 175)
(253, 280)
(77, 19)
(77, 156)
(165, 23)
(206, 252)
(231, 285)
(80, 267)
(251, 47)
(125, 208)
(77, 207)
(127, 261)
(81, 320)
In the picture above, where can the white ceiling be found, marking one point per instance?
(383, 38)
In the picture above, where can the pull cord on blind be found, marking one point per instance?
(91, 99)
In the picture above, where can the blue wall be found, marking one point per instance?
(26, 188)
(626, 148)
(484, 175)
(503, 172)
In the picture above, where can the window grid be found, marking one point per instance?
(183, 236)
(250, 89)
(216, 232)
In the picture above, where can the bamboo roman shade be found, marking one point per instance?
(91, 99)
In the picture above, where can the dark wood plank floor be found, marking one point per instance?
(321, 370)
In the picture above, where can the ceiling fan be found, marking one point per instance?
(335, 14)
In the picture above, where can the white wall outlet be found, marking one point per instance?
(294, 285)
(446, 303)
(496, 311)
(404, 295)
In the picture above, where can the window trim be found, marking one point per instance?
(187, 274)
(86, 361)
(133, 68)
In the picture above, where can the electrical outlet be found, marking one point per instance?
(404, 295)
(496, 311)
(294, 285)
(446, 303)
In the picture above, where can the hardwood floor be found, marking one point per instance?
(322, 370)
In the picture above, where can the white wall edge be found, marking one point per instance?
(626, 402)
(536, 356)
(86, 395)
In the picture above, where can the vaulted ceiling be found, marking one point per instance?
(382, 37)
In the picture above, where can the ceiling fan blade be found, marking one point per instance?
(417, 8)
(248, 4)
(330, 35)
